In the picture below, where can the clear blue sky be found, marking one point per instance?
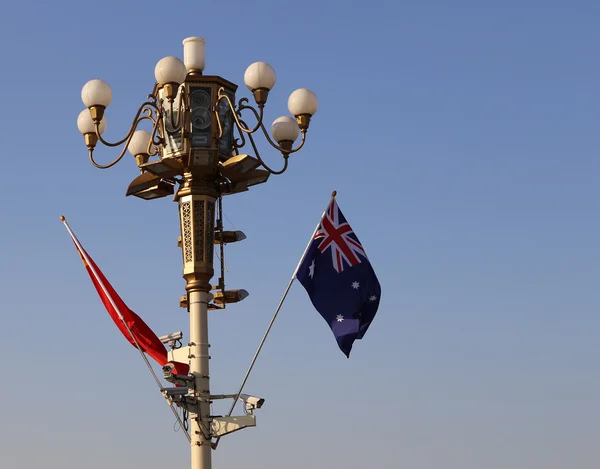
(462, 138)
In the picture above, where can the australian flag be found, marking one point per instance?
(339, 279)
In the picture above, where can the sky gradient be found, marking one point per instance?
(462, 138)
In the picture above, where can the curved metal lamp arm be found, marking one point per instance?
(126, 141)
(180, 112)
(236, 113)
(156, 139)
(239, 142)
(285, 160)
(272, 171)
(244, 129)
(147, 107)
(273, 144)
(153, 148)
(176, 126)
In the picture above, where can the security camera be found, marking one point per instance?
(179, 396)
(172, 392)
(179, 380)
(165, 339)
(252, 402)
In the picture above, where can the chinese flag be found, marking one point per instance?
(146, 339)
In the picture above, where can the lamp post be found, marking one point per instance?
(193, 153)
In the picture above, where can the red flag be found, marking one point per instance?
(146, 339)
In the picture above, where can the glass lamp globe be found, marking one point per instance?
(139, 143)
(85, 124)
(303, 101)
(259, 75)
(96, 93)
(170, 70)
(285, 129)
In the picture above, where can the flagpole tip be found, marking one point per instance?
(334, 193)
(62, 218)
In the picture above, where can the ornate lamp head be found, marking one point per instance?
(194, 120)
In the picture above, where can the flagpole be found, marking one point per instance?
(112, 303)
(262, 342)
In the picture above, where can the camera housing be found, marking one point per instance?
(252, 402)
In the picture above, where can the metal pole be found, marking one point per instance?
(196, 198)
(200, 420)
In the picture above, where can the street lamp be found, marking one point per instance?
(192, 151)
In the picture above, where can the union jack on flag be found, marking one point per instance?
(337, 235)
(339, 278)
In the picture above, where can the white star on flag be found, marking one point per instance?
(372, 298)
(355, 285)
(311, 269)
(339, 318)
